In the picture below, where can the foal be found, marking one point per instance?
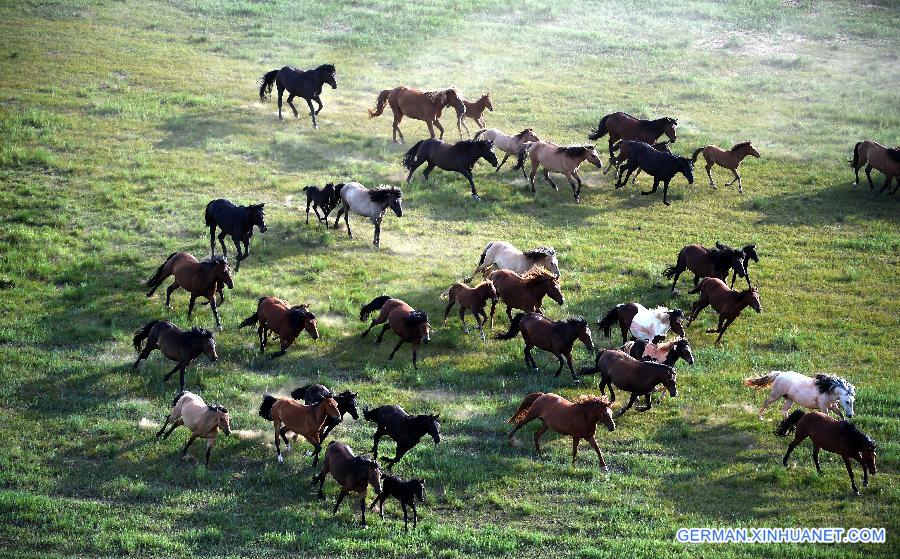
(201, 279)
(274, 315)
(526, 291)
(556, 337)
(178, 345)
(474, 111)
(351, 472)
(510, 145)
(410, 325)
(407, 492)
(203, 420)
(296, 417)
(406, 430)
(325, 198)
(727, 302)
(236, 222)
(730, 159)
(474, 299)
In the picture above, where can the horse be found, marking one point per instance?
(554, 336)
(624, 148)
(201, 279)
(730, 159)
(203, 420)
(525, 292)
(565, 160)
(667, 353)
(473, 299)
(351, 472)
(410, 325)
(660, 165)
(307, 84)
(178, 345)
(460, 157)
(623, 126)
(325, 198)
(727, 302)
(577, 419)
(419, 105)
(649, 325)
(299, 418)
(711, 262)
(274, 315)
(623, 371)
(405, 430)
(407, 492)
(510, 145)
(474, 111)
(823, 392)
(315, 393)
(876, 156)
(371, 203)
(839, 437)
(234, 221)
(504, 256)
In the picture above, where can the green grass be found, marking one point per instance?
(120, 120)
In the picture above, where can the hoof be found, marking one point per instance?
(280, 459)
(287, 447)
(476, 197)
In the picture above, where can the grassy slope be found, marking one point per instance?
(119, 121)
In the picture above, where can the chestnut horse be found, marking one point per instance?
(727, 302)
(554, 336)
(178, 345)
(419, 105)
(203, 420)
(287, 414)
(730, 159)
(474, 299)
(623, 126)
(565, 160)
(578, 419)
(351, 472)
(525, 292)
(274, 315)
(876, 156)
(474, 111)
(839, 437)
(712, 262)
(201, 279)
(623, 371)
(410, 325)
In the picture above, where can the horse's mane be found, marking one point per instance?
(667, 346)
(739, 146)
(416, 317)
(298, 313)
(439, 96)
(590, 399)
(521, 134)
(828, 383)
(894, 153)
(469, 145)
(344, 394)
(537, 275)
(538, 253)
(578, 321)
(327, 68)
(212, 261)
(574, 151)
(857, 437)
(197, 333)
(675, 313)
(384, 193)
(217, 407)
(668, 368)
(362, 459)
(660, 123)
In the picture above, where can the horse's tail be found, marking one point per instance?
(761, 382)
(410, 156)
(299, 393)
(250, 320)
(524, 407)
(671, 271)
(265, 410)
(513, 328)
(789, 423)
(265, 85)
(606, 323)
(380, 103)
(210, 220)
(142, 334)
(159, 274)
(600, 131)
(855, 163)
(479, 133)
(520, 158)
(375, 305)
(697, 153)
(446, 294)
(178, 397)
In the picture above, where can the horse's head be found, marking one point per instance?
(846, 397)
(418, 485)
(303, 319)
(417, 325)
(485, 149)
(486, 99)
(330, 406)
(686, 168)
(675, 316)
(600, 408)
(433, 426)
(347, 402)
(583, 332)
(670, 126)
(223, 418)
(668, 381)
(327, 73)
(554, 290)
(204, 338)
(593, 157)
(223, 271)
(750, 252)
(737, 262)
(754, 299)
(683, 349)
(527, 135)
(868, 458)
(396, 202)
(258, 217)
(546, 257)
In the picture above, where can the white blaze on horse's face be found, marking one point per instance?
(553, 266)
(611, 424)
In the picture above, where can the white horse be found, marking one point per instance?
(371, 203)
(824, 392)
(203, 420)
(510, 145)
(504, 256)
(649, 324)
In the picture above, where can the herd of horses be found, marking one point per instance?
(643, 365)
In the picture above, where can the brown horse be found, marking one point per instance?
(474, 299)
(474, 111)
(727, 302)
(200, 279)
(623, 371)
(351, 472)
(299, 418)
(525, 292)
(178, 345)
(274, 315)
(712, 262)
(876, 156)
(564, 160)
(419, 105)
(577, 419)
(623, 126)
(839, 437)
(410, 325)
(557, 337)
(730, 159)
(203, 420)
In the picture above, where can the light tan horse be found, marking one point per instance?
(565, 160)
(474, 111)
(203, 420)
(510, 145)
(875, 156)
(730, 159)
(419, 105)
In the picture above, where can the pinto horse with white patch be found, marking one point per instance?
(371, 203)
(822, 392)
(504, 256)
(650, 325)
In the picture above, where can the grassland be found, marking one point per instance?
(120, 120)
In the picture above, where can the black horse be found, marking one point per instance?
(407, 492)
(406, 430)
(459, 157)
(659, 165)
(749, 252)
(307, 84)
(325, 198)
(312, 394)
(237, 221)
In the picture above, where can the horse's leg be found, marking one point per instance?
(240, 256)
(869, 176)
(666, 193)
(194, 437)
(572, 183)
(212, 240)
(398, 116)
(725, 327)
(172, 372)
(145, 353)
(718, 328)
(176, 424)
(655, 187)
(415, 356)
(596, 447)
(405, 516)
(215, 311)
(480, 321)
(337, 219)
(347, 221)
(709, 167)
(509, 312)
(439, 127)
(428, 169)
(169, 291)
(850, 471)
(402, 449)
(768, 402)
(648, 404)
(447, 310)
(181, 377)
(537, 435)
(312, 113)
(547, 177)
(280, 94)
(340, 499)
(571, 368)
(497, 170)
(575, 441)
(887, 182)
(529, 357)
(628, 405)
(210, 443)
(698, 306)
(430, 127)
(815, 454)
(787, 406)
(377, 240)
(396, 347)
(462, 318)
(561, 364)
(468, 174)
(290, 102)
(318, 100)
(798, 438)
